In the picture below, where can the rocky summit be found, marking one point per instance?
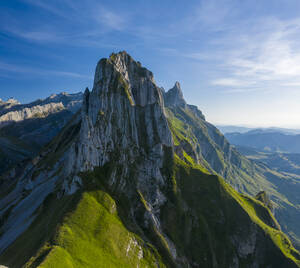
(174, 97)
(134, 179)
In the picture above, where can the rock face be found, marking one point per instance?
(112, 177)
(123, 112)
(196, 111)
(174, 97)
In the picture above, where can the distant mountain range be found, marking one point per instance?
(266, 140)
(240, 129)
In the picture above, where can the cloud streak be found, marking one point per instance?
(232, 82)
(263, 57)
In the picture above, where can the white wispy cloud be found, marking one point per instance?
(109, 18)
(265, 55)
(255, 52)
(232, 82)
(38, 36)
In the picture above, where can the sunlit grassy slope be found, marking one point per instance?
(203, 217)
(209, 148)
(94, 236)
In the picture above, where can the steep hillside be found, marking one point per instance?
(205, 145)
(282, 162)
(25, 128)
(118, 187)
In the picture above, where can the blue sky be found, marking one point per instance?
(239, 61)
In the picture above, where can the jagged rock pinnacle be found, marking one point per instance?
(174, 96)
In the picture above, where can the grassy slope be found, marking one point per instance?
(41, 231)
(186, 127)
(94, 236)
(243, 175)
(221, 214)
(86, 230)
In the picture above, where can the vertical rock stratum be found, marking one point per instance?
(121, 186)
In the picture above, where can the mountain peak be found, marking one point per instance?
(124, 96)
(136, 81)
(12, 101)
(177, 86)
(174, 97)
(126, 65)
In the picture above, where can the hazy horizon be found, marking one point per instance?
(237, 61)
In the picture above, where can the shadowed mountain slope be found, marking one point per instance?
(26, 128)
(202, 143)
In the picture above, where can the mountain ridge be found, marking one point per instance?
(268, 141)
(25, 128)
(125, 159)
(241, 129)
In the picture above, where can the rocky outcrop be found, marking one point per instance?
(196, 111)
(174, 97)
(37, 111)
(8, 104)
(12, 111)
(71, 102)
